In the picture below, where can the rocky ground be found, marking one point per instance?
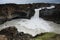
(11, 33)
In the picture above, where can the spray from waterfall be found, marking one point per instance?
(33, 26)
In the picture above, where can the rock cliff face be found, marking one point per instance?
(51, 14)
(13, 11)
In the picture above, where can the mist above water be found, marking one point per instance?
(33, 26)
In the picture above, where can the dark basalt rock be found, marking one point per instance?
(13, 11)
(13, 34)
(11, 31)
(22, 14)
(19, 15)
(51, 14)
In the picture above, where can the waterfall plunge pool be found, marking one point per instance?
(33, 26)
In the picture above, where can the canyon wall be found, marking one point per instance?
(12, 11)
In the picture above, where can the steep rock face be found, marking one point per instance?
(51, 14)
(14, 11)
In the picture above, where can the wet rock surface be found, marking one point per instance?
(51, 14)
(13, 11)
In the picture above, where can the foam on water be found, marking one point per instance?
(33, 26)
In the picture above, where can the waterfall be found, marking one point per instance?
(36, 13)
(33, 26)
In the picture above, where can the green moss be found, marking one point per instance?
(46, 36)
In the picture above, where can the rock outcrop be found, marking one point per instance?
(13, 11)
(11, 33)
(51, 14)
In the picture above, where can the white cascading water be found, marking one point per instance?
(33, 26)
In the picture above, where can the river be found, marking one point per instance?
(35, 25)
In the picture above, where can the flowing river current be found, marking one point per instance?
(33, 26)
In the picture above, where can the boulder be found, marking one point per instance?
(11, 33)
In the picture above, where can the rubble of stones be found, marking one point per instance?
(13, 11)
(11, 33)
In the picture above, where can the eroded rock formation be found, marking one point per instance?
(11, 33)
(51, 14)
(13, 11)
